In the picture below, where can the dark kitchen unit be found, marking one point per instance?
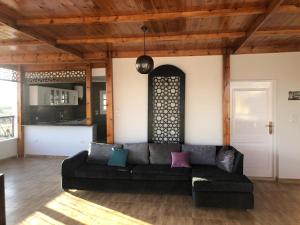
(99, 109)
(57, 103)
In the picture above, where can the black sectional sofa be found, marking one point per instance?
(149, 169)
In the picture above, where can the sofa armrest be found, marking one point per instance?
(238, 165)
(70, 164)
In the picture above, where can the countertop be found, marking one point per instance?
(61, 123)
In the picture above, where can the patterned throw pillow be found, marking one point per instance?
(225, 159)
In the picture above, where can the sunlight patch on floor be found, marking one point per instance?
(82, 211)
(87, 212)
(39, 218)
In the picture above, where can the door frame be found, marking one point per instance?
(273, 83)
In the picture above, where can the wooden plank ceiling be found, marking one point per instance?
(81, 31)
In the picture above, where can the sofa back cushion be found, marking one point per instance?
(160, 154)
(201, 154)
(138, 153)
(99, 153)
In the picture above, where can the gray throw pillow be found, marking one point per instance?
(99, 153)
(201, 154)
(225, 159)
(138, 153)
(161, 153)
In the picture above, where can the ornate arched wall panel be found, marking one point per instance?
(166, 99)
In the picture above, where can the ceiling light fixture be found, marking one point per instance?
(144, 63)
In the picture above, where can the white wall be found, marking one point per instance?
(284, 69)
(98, 72)
(203, 100)
(203, 123)
(8, 148)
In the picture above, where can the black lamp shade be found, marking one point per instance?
(144, 64)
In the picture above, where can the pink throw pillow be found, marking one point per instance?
(180, 159)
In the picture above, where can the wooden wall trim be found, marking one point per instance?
(88, 87)
(109, 99)
(20, 86)
(226, 99)
(288, 181)
(2, 200)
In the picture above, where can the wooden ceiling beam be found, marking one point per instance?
(166, 53)
(258, 22)
(288, 9)
(66, 66)
(153, 16)
(32, 33)
(98, 58)
(53, 67)
(51, 58)
(202, 36)
(209, 51)
(270, 49)
(20, 42)
(178, 37)
(286, 32)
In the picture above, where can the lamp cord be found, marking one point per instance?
(144, 42)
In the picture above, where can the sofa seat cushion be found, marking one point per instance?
(213, 179)
(103, 172)
(208, 171)
(160, 172)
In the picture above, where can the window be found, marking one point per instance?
(8, 106)
(103, 103)
(52, 97)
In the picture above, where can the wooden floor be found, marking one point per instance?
(34, 196)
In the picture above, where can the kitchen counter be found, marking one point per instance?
(62, 139)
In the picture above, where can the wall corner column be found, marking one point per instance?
(88, 88)
(226, 99)
(109, 99)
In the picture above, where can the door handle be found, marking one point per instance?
(270, 125)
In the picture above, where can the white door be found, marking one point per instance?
(252, 126)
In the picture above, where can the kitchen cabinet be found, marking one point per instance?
(39, 95)
(73, 97)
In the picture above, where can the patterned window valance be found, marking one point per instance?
(64, 76)
(8, 75)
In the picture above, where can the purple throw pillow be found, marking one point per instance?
(180, 159)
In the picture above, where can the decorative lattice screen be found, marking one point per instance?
(166, 105)
(8, 75)
(63, 76)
